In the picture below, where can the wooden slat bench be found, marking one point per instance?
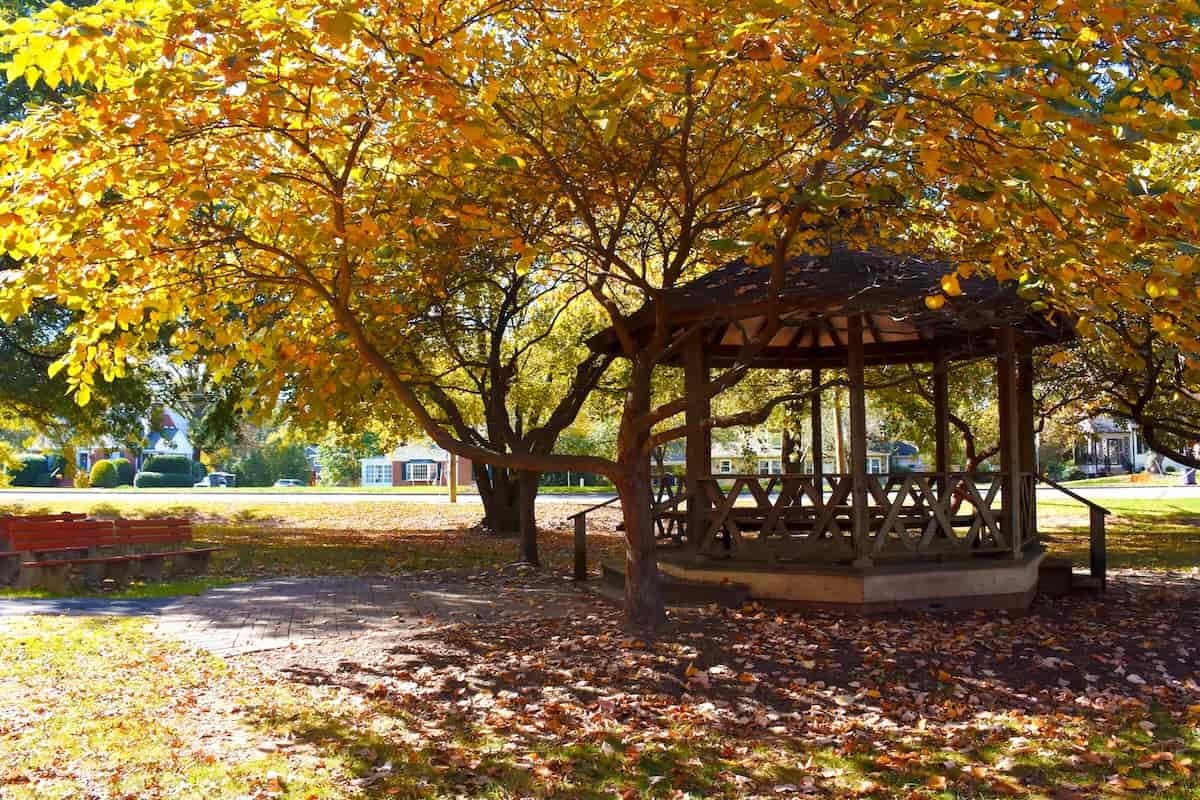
(150, 541)
(28, 540)
(49, 553)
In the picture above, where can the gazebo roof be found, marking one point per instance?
(818, 294)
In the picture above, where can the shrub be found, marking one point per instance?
(162, 480)
(1169, 470)
(124, 471)
(172, 464)
(32, 470)
(103, 475)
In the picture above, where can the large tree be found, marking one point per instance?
(291, 160)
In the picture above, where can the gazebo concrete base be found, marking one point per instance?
(982, 583)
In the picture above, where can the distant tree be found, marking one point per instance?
(1132, 367)
(339, 454)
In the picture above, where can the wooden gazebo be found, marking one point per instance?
(879, 540)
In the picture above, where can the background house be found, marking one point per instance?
(1107, 446)
(413, 465)
(758, 452)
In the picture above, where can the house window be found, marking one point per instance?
(768, 466)
(875, 465)
(377, 474)
(725, 466)
(83, 460)
(421, 473)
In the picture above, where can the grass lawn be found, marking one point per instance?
(1156, 534)
(318, 490)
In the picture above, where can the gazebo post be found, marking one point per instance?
(858, 440)
(698, 455)
(817, 446)
(1028, 445)
(1010, 437)
(941, 422)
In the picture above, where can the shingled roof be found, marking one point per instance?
(818, 293)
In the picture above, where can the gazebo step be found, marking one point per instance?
(1057, 577)
(678, 592)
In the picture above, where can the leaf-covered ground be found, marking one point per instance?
(1079, 698)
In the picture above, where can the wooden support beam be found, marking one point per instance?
(1027, 448)
(698, 445)
(581, 568)
(817, 444)
(1010, 437)
(941, 421)
(858, 440)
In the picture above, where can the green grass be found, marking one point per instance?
(313, 490)
(1156, 534)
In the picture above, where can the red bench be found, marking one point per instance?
(145, 539)
(33, 539)
(51, 551)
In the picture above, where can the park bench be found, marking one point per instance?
(36, 539)
(106, 550)
(150, 542)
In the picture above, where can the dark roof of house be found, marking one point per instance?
(888, 289)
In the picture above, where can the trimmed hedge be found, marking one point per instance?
(162, 480)
(176, 465)
(124, 471)
(34, 471)
(104, 475)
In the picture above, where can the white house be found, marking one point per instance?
(761, 449)
(413, 465)
(1108, 446)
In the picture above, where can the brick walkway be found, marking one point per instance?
(338, 614)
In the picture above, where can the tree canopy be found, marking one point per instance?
(297, 177)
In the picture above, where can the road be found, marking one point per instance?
(183, 496)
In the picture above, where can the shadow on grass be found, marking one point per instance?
(1166, 537)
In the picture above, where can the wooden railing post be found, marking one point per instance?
(1099, 546)
(581, 567)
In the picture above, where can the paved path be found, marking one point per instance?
(327, 613)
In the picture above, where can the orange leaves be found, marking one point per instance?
(984, 114)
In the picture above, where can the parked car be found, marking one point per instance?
(215, 479)
(288, 483)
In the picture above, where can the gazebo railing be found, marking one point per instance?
(809, 518)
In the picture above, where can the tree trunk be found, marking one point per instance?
(499, 493)
(528, 490)
(643, 597)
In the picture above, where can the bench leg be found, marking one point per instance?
(191, 564)
(52, 577)
(118, 571)
(26, 578)
(10, 568)
(151, 569)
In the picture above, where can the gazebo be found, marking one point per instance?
(871, 540)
